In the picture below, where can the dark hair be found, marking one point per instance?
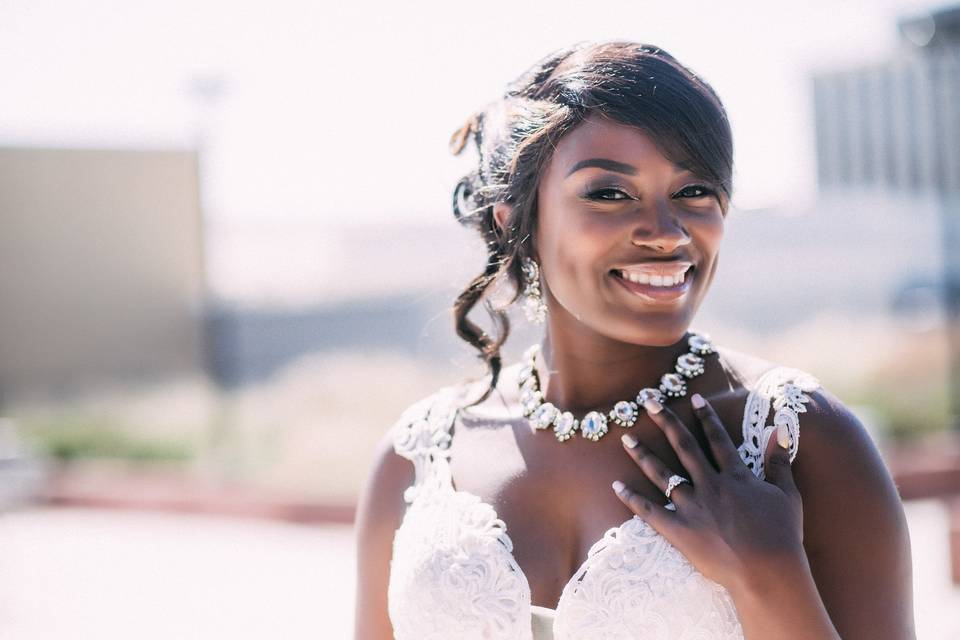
(635, 84)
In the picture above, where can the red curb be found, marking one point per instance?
(170, 492)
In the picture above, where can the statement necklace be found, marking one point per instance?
(593, 426)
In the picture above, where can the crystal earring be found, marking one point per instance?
(533, 304)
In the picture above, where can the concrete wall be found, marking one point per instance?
(101, 267)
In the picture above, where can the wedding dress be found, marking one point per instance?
(453, 574)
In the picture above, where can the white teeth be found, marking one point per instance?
(655, 280)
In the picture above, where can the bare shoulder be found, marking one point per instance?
(834, 444)
(854, 526)
(836, 454)
(380, 510)
(381, 504)
(392, 470)
(838, 467)
(390, 473)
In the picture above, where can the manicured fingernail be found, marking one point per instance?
(629, 440)
(697, 401)
(652, 406)
(783, 436)
(618, 486)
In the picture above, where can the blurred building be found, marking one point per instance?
(894, 128)
(101, 268)
(895, 124)
(104, 276)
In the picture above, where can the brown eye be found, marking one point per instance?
(697, 191)
(596, 195)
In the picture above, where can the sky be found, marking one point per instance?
(341, 112)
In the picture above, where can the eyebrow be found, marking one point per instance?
(604, 163)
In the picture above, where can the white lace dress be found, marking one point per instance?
(453, 573)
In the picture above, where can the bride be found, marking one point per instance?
(627, 478)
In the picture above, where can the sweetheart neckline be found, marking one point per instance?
(524, 580)
(747, 448)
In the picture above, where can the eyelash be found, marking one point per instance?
(707, 192)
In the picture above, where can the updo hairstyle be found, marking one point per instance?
(635, 84)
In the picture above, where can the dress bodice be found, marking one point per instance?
(453, 573)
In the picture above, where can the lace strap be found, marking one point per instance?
(422, 435)
(784, 388)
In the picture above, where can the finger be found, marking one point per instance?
(664, 520)
(777, 468)
(684, 444)
(652, 467)
(724, 451)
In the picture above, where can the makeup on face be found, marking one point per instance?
(625, 232)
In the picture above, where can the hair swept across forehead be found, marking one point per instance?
(631, 83)
(637, 85)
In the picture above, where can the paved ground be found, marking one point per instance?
(78, 574)
(83, 573)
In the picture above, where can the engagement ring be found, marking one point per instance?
(673, 482)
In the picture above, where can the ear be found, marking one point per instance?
(501, 213)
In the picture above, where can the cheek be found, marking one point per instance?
(576, 256)
(705, 228)
(708, 236)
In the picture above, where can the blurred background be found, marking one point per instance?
(228, 259)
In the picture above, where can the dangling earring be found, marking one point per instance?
(533, 304)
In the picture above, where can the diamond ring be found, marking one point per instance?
(673, 483)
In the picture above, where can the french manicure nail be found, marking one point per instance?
(629, 440)
(783, 436)
(652, 406)
(618, 486)
(697, 401)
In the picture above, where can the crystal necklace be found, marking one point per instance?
(593, 426)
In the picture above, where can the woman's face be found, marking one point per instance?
(613, 209)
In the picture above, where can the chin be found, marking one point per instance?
(664, 340)
(652, 328)
(647, 332)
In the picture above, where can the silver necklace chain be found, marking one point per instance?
(624, 413)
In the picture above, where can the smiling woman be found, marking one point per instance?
(627, 223)
(601, 192)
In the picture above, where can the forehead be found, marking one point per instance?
(600, 137)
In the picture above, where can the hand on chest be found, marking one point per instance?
(554, 497)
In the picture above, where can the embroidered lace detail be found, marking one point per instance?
(422, 435)
(785, 386)
(635, 584)
(453, 573)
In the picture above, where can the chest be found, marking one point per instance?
(555, 498)
(454, 573)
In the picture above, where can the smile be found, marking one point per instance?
(656, 288)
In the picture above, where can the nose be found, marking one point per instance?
(661, 230)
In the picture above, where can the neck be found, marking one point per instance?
(592, 372)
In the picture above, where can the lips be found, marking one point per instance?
(655, 274)
(654, 293)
